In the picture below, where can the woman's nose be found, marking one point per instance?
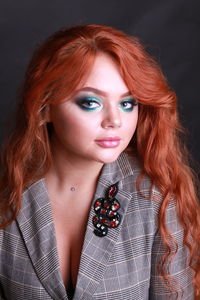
(112, 119)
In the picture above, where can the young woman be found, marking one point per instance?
(97, 198)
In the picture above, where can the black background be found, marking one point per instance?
(170, 30)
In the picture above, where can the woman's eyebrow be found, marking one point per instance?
(100, 92)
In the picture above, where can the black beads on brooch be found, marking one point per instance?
(106, 212)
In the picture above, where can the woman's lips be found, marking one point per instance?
(108, 142)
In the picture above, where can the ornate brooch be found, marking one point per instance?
(106, 212)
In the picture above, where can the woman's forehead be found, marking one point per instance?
(105, 77)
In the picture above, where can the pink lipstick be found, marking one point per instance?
(108, 142)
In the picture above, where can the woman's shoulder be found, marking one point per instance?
(130, 167)
(139, 184)
(146, 196)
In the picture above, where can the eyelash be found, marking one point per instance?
(93, 104)
(131, 103)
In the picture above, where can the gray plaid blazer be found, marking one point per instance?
(119, 266)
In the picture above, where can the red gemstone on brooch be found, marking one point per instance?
(112, 191)
(113, 224)
(105, 221)
(115, 206)
(111, 213)
(106, 204)
(94, 219)
(97, 203)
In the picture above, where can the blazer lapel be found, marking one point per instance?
(37, 228)
(96, 250)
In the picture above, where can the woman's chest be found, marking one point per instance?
(70, 227)
(69, 246)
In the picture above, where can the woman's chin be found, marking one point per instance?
(107, 159)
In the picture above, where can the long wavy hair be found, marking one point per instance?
(58, 66)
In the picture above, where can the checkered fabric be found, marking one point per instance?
(119, 266)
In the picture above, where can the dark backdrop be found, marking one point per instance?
(168, 28)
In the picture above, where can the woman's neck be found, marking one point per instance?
(74, 173)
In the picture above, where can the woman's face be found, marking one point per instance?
(98, 122)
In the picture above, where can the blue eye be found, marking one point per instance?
(128, 104)
(89, 103)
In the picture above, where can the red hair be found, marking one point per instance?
(56, 69)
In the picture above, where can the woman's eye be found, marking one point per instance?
(89, 103)
(128, 105)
